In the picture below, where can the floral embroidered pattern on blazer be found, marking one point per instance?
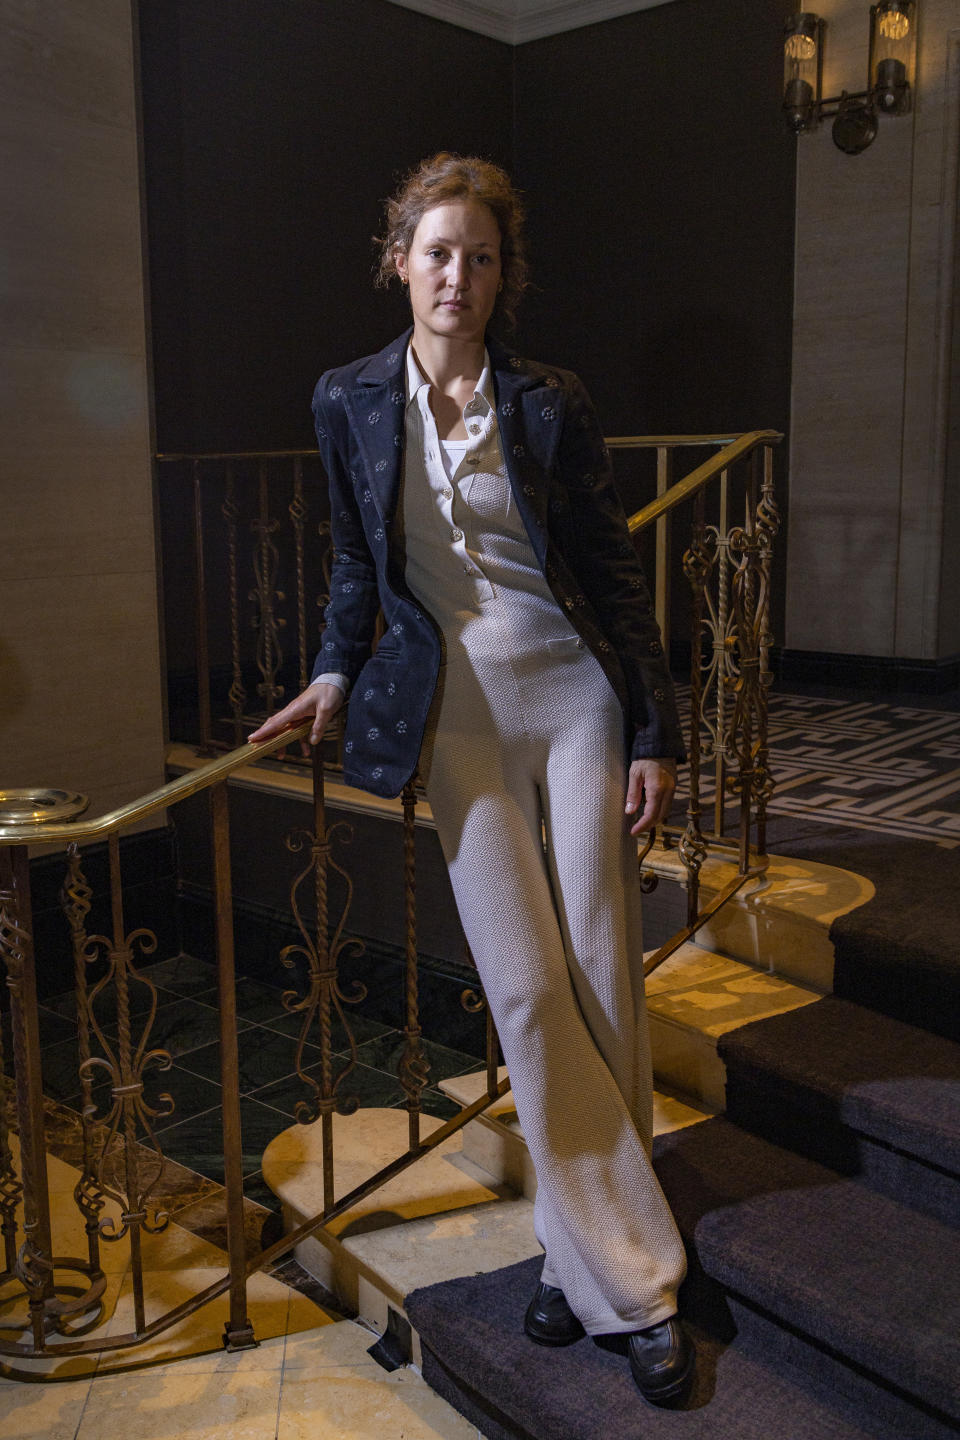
(560, 475)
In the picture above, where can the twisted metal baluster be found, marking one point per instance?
(265, 595)
(722, 651)
(749, 599)
(11, 1190)
(237, 693)
(126, 1065)
(767, 528)
(322, 600)
(414, 1066)
(75, 899)
(200, 618)
(696, 566)
(324, 994)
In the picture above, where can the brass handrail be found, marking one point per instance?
(73, 832)
(122, 1157)
(732, 452)
(669, 442)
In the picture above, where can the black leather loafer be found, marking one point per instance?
(549, 1319)
(662, 1361)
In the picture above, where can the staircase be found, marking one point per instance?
(820, 1211)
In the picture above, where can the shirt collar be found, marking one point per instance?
(417, 382)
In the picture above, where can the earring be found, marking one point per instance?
(499, 286)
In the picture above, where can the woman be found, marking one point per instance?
(522, 672)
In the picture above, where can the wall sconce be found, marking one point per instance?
(891, 75)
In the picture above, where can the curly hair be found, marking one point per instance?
(444, 178)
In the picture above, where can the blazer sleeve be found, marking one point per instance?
(610, 572)
(351, 611)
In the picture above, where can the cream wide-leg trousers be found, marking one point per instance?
(522, 740)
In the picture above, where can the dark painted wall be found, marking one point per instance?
(661, 188)
(659, 177)
(272, 132)
(659, 180)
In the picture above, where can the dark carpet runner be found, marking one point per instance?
(823, 1277)
(476, 1357)
(821, 1215)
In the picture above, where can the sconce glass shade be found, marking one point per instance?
(802, 69)
(893, 54)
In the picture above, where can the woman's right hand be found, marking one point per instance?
(320, 701)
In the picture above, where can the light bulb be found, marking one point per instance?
(800, 47)
(893, 24)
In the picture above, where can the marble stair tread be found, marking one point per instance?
(441, 1218)
(854, 1067)
(693, 999)
(669, 1112)
(362, 1144)
(857, 1273)
(781, 922)
(713, 994)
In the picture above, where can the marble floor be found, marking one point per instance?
(311, 1375)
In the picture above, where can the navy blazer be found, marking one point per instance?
(560, 475)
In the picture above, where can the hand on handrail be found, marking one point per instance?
(320, 701)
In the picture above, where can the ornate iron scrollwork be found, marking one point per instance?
(322, 955)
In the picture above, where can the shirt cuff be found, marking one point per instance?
(333, 677)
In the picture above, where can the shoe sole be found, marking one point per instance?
(554, 1341)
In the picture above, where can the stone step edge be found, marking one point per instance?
(803, 891)
(675, 1112)
(357, 1265)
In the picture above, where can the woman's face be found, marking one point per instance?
(453, 270)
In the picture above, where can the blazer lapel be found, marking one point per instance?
(530, 416)
(376, 406)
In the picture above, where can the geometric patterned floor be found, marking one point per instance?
(885, 767)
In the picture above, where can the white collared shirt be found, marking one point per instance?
(448, 486)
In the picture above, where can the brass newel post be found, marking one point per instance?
(238, 1332)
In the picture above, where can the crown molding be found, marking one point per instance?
(516, 21)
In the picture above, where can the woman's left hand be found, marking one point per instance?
(652, 782)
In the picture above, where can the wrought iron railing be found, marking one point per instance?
(727, 561)
(53, 1298)
(727, 501)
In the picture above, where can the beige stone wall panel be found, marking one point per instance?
(80, 682)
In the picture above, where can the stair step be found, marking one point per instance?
(779, 923)
(696, 997)
(495, 1140)
(883, 1078)
(856, 1273)
(476, 1356)
(442, 1217)
(862, 1092)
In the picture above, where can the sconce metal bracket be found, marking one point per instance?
(855, 125)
